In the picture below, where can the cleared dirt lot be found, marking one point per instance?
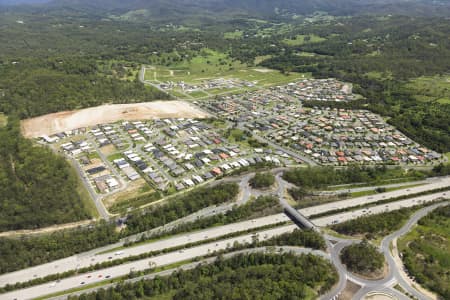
(69, 120)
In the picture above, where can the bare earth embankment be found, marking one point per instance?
(69, 120)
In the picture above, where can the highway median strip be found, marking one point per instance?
(106, 264)
(384, 201)
(117, 279)
(268, 245)
(98, 266)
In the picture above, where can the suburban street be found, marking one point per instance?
(142, 80)
(101, 209)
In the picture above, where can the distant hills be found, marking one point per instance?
(17, 2)
(173, 8)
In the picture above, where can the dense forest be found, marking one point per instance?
(244, 276)
(189, 11)
(37, 188)
(304, 238)
(32, 89)
(29, 251)
(34, 250)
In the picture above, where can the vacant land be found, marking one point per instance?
(212, 65)
(208, 64)
(425, 251)
(69, 120)
(431, 89)
(3, 119)
(303, 39)
(233, 34)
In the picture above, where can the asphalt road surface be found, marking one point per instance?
(86, 259)
(172, 257)
(161, 260)
(281, 249)
(439, 183)
(89, 258)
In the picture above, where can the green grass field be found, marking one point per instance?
(273, 29)
(233, 35)
(198, 94)
(212, 65)
(448, 157)
(430, 89)
(115, 156)
(3, 120)
(303, 39)
(208, 64)
(379, 75)
(260, 59)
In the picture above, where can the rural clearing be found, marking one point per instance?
(69, 120)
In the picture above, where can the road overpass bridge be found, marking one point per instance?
(299, 219)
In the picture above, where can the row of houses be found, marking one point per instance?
(318, 90)
(278, 116)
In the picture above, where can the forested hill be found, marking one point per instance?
(37, 188)
(209, 8)
(17, 2)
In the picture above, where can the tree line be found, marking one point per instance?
(261, 206)
(375, 225)
(180, 207)
(37, 188)
(250, 276)
(321, 177)
(34, 88)
(19, 253)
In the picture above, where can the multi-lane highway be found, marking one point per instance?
(89, 258)
(439, 183)
(169, 258)
(120, 270)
